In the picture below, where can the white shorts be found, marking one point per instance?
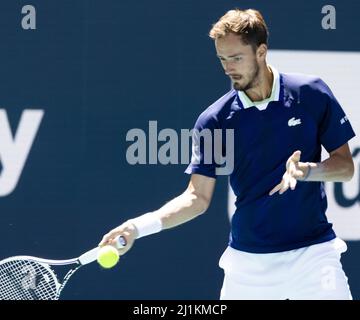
(309, 273)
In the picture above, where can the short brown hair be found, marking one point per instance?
(249, 24)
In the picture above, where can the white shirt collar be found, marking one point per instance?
(262, 105)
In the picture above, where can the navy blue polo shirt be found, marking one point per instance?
(301, 114)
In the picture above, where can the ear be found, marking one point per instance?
(261, 52)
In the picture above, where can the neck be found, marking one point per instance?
(263, 85)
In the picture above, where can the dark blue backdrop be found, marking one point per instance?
(99, 69)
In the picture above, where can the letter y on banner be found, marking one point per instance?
(14, 151)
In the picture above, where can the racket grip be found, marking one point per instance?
(120, 242)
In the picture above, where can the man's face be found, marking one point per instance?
(238, 60)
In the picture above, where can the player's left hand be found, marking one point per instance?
(295, 170)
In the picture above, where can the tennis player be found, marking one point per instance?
(281, 245)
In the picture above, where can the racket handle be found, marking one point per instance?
(120, 242)
(91, 255)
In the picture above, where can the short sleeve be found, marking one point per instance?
(203, 147)
(334, 127)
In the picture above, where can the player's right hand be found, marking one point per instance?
(126, 230)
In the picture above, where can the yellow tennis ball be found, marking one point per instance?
(107, 256)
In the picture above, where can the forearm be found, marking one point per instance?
(335, 168)
(181, 209)
(178, 211)
(193, 202)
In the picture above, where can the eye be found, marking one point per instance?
(237, 59)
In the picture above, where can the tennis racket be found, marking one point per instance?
(32, 278)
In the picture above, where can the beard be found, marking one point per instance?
(251, 80)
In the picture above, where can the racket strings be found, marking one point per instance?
(27, 280)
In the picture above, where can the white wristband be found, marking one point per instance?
(147, 224)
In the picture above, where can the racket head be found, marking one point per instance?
(27, 279)
(32, 278)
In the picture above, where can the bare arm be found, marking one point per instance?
(338, 167)
(191, 203)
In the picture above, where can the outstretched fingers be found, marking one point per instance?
(275, 189)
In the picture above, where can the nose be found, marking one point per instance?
(228, 67)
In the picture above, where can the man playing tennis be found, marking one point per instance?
(281, 244)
